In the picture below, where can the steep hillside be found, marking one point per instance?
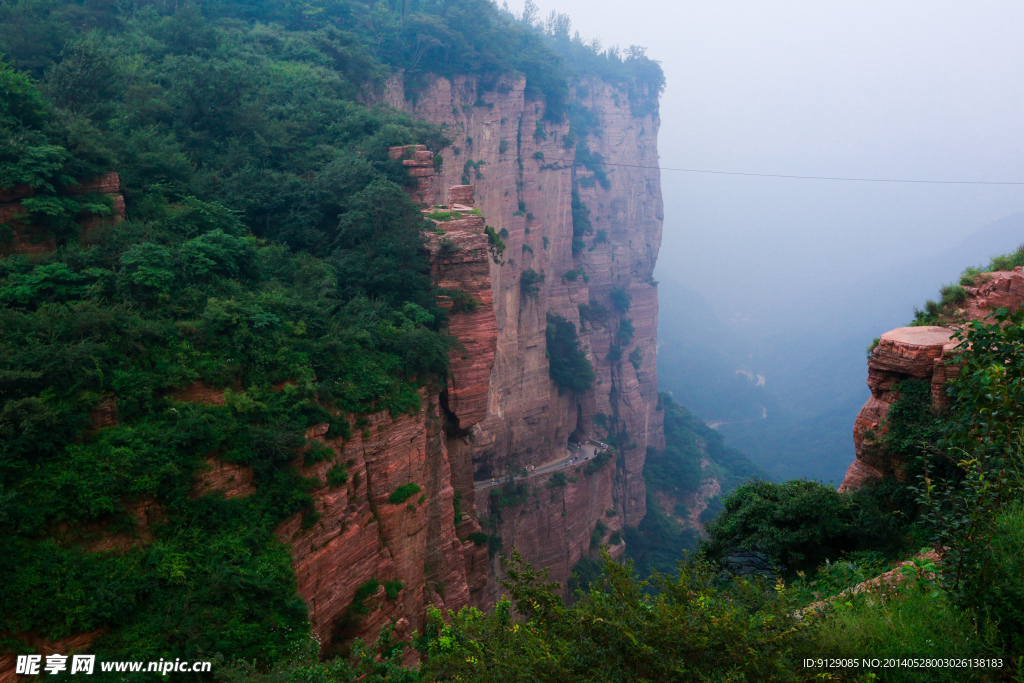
(269, 405)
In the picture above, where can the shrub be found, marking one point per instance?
(593, 312)
(969, 277)
(557, 479)
(597, 463)
(621, 299)
(907, 623)
(529, 282)
(478, 538)
(403, 493)
(392, 588)
(572, 275)
(795, 526)
(873, 345)
(358, 604)
(568, 365)
(581, 224)
(624, 335)
(337, 475)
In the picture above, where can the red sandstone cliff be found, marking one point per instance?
(522, 169)
(918, 353)
(500, 410)
(24, 238)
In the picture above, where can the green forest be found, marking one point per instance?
(271, 253)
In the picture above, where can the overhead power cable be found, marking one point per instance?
(802, 177)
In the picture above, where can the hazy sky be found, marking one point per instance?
(922, 90)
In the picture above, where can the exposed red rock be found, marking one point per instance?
(903, 353)
(197, 392)
(30, 239)
(231, 479)
(361, 536)
(94, 537)
(529, 420)
(918, 353)
(555, 524)
(104, 414)
(419, 162)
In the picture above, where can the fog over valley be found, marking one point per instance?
(790, 278)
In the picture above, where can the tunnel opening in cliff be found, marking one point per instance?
(452, 428)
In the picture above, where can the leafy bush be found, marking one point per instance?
(621, 299)
(624, 335)
(403, 493)
(392, 588)
(568, 365)
(557, 479)
(366, 590)
(337, 475)
(909, 623)
(795, 526)
(597, 463)
(478, 538)
(495, 245)
(529, 282)
(581, 224)
(684, 628)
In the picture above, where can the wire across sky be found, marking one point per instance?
(803, 177)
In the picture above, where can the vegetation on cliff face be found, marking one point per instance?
(568, 364)
(270, 257)
(706, 624)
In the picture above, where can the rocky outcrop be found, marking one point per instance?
(362, 531)
(903, 353)
(555, 521)
(522, 168)
(25, 238)
(919, 353)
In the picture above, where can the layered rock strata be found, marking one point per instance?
(918, 353)
(524, 172)
(363, 532)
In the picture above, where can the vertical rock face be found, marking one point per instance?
(523, 171)
(903, 353)
(365, 532)
(918, 353)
